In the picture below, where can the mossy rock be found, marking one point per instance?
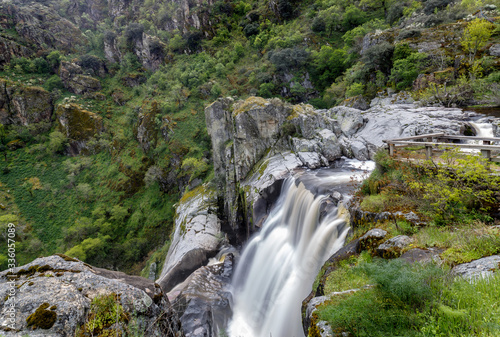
(77, 123)
(42, 318)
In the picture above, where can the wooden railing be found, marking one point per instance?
(440, 141)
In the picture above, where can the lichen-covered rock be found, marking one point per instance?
(77, 123)
(372, 238)
(394, 246)
(24, 105)
(53, 294)
(196, 237)
(481, 268)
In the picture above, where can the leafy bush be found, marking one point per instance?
(328, 64)
(289, 58)
(431, 5)
(405, 71)
(355, 89)
(353, 17)
(379, 57)
(53, 82)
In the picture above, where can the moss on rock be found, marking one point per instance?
(42, 318)
(77, 123)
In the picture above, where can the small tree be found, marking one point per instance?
(475, 36)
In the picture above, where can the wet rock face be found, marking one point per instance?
(24, 105)
(53, 296)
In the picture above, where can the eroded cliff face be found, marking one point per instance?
(24, 105)
(33, 27)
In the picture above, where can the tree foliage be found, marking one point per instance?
(475, 36)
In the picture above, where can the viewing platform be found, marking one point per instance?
(442, 140)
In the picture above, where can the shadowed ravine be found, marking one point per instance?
(279, 264)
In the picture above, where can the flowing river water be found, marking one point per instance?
(279, 264)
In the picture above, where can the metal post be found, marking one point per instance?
(391, 149)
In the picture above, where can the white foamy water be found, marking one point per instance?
(279, 264)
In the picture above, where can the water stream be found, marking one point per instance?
(279, 264)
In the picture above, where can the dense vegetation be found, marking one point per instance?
(454, 196)
(112, 205)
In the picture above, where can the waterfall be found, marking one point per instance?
(483, 129)
(279, 264)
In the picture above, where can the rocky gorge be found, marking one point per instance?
(257, 144)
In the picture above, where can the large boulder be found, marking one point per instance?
(203, 300)
(481, 268)
(78, 124)
(52, 297)
(196, 238)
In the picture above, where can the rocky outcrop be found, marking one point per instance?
(37, 27)
(78, 124)
(196, 238)
(146, 130)
(24, 105)
(73, 79)
(53, 295)
(150, 51)
(249, 135)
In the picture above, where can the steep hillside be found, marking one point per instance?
(102, 102)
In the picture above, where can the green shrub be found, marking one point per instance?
(53, 82)
(355, 89)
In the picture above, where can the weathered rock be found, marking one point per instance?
(23, 105)
(350, 119)
(495, 50)
(422, 255)
(196, 237)
(372, 238)
(68, 286)
(78, 124)
(37, 27)
(394, 246)
(203, 300)
(146, 130)
(357, 102)
(149, 50)
(481, 268)
(329, 144)
(73, 79)
(312, 160)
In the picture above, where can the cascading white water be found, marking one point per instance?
(482, 130)
(278, 266)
